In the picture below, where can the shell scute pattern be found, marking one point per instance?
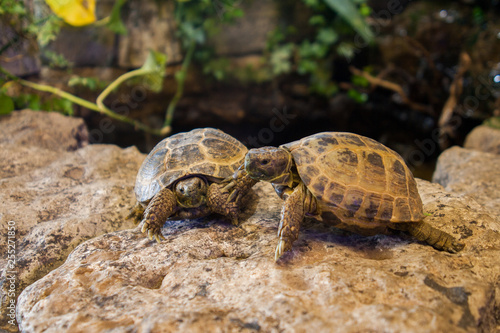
(208, 151)
(357, 178)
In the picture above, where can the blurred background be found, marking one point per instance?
(414, 75)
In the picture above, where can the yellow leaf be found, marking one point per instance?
(74, 12)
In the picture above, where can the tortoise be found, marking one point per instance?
(348, 180)
(190, 175)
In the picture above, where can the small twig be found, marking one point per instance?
(417, 45)
(14, 58)
(181, 78)
(391, 86)
(456, 89)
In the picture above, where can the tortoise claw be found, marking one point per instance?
(232, 196)
(281, 249)
(144, 227)
(229, 186)
(151, 233)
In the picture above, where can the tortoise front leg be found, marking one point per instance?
(217, 202)
(225, 198)
(160, 208)
(292, 214)
(136, 213)
(240, 183)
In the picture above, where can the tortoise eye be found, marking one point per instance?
(264, 162)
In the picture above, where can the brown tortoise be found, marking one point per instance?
(350, 180)
(190, 175)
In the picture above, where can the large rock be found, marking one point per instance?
(473, 173)
(211, 276)
(56, 192)
(484, 138)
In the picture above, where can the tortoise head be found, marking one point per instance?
(270, 164)
(191, 192)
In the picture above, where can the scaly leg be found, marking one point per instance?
(292, 214)
(225, 198)
(160, 208)
(425, 232)
(240, 183)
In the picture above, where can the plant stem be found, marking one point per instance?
(181, 78)
(100, 99)
(87, 104)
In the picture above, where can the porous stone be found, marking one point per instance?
(210, 276)
(484, 138)
(56, 192)
(471, 173)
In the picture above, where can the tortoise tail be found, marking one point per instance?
(425, 232)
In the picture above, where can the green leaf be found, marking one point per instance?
(327, 36)
(49, 30)
(360, 81)
(34, 102)
(357, 96)
(493, 122)
(350, 13)
(280, 59)
(61, 105)
(89, 82)
(317, 20)
(306, 66)
(115, 23)
(191, 33)
(155, 66)
(346, 50)
(6, 104)
(155, 62)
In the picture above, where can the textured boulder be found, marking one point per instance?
(484, 138)
(56, 192)
(211, 276)
(471, 172)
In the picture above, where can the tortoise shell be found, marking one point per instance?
(359, 180)
(208, 152)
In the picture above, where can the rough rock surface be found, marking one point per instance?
(211, 276)
(57, 192)
(484, 138)
(471, 172)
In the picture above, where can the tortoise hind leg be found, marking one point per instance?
(425, 232)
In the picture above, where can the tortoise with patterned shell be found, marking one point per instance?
(346, 179)
(189, 175)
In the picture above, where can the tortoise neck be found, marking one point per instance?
(287, 177)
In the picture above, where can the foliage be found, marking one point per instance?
(493, 122)
(197, 22)
(314, 56)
